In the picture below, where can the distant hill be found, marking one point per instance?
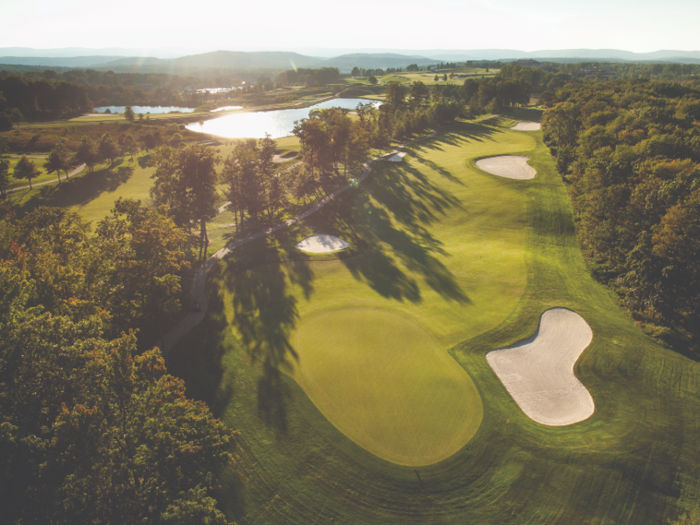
(70, 52)
(77, 61)
(282, 60)
(237, 60)
(375, 60)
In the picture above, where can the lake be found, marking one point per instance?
(145, 109)
(278, 123)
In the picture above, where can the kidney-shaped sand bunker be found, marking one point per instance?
(509, 166)
(539, 372)
(387, 384)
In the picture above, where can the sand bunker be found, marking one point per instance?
(322, 244)
(509, 166)
(539, 372)
(398, 157)
(527, 126)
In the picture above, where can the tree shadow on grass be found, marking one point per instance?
(395, 230)
(81, 190)
(198, 357)
(265, 314)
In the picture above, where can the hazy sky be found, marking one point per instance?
(528, 25)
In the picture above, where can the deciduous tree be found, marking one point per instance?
(87, 153)
(26, 169)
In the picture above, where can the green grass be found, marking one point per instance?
(634, 461)
(386, 383)
(92, 195)
(39, 163)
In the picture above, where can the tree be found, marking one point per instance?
(373, 80)
(130, 145)
(197, 169)
(4, 176)
(418, 93)
(436, 79)
(355, 72)
(129, 114)
(87, 153)
(26, 169)
(15, 116)
(148, 262)
(689, 518)
(315, 146)
(395, 95)
(58, 161)
(444, 77)
(107, 148)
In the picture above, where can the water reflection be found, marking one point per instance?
(145, 109)
(226, 108)
(277, 123)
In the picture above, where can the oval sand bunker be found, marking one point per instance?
(527, 126)
(387, 384)
(509, 166)
(539, 372)
(322, 244)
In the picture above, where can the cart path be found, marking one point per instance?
(74, 172)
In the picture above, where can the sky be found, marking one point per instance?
(275, 25)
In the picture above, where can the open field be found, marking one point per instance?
(435, 250)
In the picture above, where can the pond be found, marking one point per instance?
(278, 123)
(145, 109)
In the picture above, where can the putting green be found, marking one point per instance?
(386, 384)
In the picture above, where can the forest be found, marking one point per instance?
(629, 152)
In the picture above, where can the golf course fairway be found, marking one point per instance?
(306, 354)
(387, 385)
(366, 335)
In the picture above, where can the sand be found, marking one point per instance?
(527, 126)
(539, 372)
(509, 166)
(322, 244)
(398, 157)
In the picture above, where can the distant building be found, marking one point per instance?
(431, 68)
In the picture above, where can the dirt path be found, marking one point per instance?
(74, 172)
(197, 292)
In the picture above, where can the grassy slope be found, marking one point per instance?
(634, 461)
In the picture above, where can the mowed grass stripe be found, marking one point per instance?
(395, 392)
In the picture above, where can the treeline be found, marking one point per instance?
(630, 151)
(39, 97)
(107, 88)
(309, 77)
(362, 72)
(539, 79)
(492, 95)
(91, 429)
